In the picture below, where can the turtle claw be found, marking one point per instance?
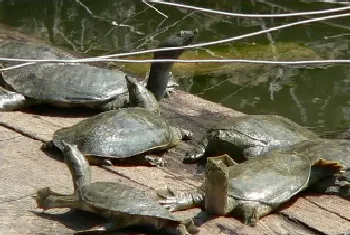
(171, 191)
(99, 161)
(169, 200)
(92, 231)
(48, 145)
(156, 161)
(169, 203)
(186, 134)
(40, 197)
(167, 94)
(166, 193)
(106, 162)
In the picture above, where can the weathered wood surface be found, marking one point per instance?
(25, 168)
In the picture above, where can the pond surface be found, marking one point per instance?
(316, 96)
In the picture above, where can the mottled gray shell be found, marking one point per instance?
(117, 133)
(72, 83)
(122, 198)
(273, 129)
(271, 179)
(331, 150)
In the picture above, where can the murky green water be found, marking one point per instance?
(315, 96)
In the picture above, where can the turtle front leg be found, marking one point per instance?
(47, 199)
(180, 201)
(197, 152)
(254, 151)
(99, 161)
(156, 161)
(10, 100)
(117, 103)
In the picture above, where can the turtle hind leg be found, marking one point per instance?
(47, 199)
(102, 229)
(10, 100)
(252, 211)
(176, 227)
(190, 226)
(336, 184)
(117, 222)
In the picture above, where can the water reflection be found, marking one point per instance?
(316, 96)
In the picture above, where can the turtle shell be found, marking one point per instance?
(269, 129)
(53, 82)
(117, 133)
(82, 83)
(336, 150)
(122, 198)
(272, 179)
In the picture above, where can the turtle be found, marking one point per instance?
(122, 133)
(253, 188)
(122, 204)
(72, 85)
(248, 136)
(336, 150)
(339, 133)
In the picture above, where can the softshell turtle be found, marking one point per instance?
(122, 204)
(253, 188)
(71, 85)
(340, 133)
(337, 150)
(118, 134)
(249, 136)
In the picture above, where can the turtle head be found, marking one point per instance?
(181, 38)
(159, 72)
(78, 165)
(139, 96)
(178, 134)
(216, 185)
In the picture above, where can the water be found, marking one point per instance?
(314, 96)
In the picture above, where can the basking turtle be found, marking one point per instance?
(118, 134)
(331, 150)
(71, 85)
(122, 204)
(340, 133)
(253, 188)
(249, 136)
